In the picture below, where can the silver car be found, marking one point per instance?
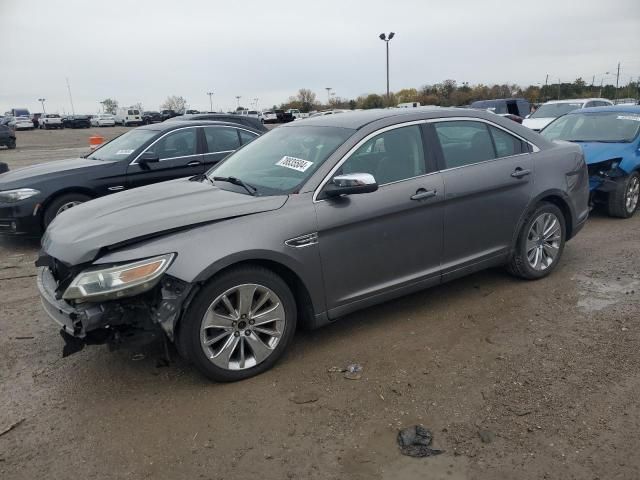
(308, 223)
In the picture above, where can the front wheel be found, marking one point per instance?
(540, 243)
(623, 201)
(62, 203)
(239, 324)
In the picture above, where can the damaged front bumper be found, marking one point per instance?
(116, 321)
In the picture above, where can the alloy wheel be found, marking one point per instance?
(242, 327)
(632, 194)
(543, 241)
(67, 206)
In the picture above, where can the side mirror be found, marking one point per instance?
(351, 184)
(148, 157)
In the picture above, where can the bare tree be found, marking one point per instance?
(110, 105)
(175, 103)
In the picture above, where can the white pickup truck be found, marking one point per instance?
(50, 120)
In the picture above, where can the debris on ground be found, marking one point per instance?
(11, 427)
(304, 397)
(416, 441)
(353, 372)
(486, 436)
(137, 357)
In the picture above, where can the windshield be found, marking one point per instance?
(283, 159)
(554, 110)
(121, 147)
(611, 127)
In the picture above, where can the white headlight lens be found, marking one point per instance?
(11, 196)
(119, 281)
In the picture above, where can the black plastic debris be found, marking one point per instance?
(416, 442)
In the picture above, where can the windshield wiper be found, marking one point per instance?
(236, 181)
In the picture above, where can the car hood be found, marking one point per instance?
(22, 176)
(595, 152)
(537, 123)
(77, 235)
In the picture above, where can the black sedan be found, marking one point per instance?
(251, 122)
(76, 121)
(31, 197)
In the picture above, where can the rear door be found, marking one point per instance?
(488, 174)
(180, 155)
(219, 142)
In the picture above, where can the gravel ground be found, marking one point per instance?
(517, 380)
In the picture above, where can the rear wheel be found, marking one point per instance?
(540, 243)
(623, 201)
(239, 324)
(62, 203)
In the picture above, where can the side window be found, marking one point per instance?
(464, 142)
(221, 139)
(246, 137)
(177, 144)
(391, 156)
(507, 144)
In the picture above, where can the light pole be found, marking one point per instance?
(328, 89)
(238, 97)
(41, 100)
(255, 103)
(386, 39)
(210, 101)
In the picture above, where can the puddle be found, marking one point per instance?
(597, 294)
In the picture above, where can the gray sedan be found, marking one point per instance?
(307, 223)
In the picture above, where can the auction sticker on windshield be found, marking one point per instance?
(629, 117)
(294, 163)
(124, 152)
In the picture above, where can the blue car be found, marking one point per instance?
(610, 140)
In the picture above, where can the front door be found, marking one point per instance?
(179, 156)
(374, 245)
(488, 175)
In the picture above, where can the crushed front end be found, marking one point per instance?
(119, 314)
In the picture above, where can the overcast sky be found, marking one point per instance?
(143, 50)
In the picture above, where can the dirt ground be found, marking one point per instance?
(547, 371)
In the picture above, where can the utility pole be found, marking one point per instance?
(558, 89)
(546, 82)
(238, 97)
(73, 111)
(41, 100)
(593, 80)
(617, 81)
(210, 101)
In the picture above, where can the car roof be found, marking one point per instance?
(577, 100)
(166, 126)
(357, 119)
(610, 108)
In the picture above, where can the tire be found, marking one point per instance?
(58, 203)
(12, 144)
(238, 333)
(531, 248)
(623, 201)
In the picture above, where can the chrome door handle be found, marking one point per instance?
(422, 194)
(195, 163)
(519, 173)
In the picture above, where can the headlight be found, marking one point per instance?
(124, 280)
(11, 196)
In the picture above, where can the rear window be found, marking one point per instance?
(555, 110)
